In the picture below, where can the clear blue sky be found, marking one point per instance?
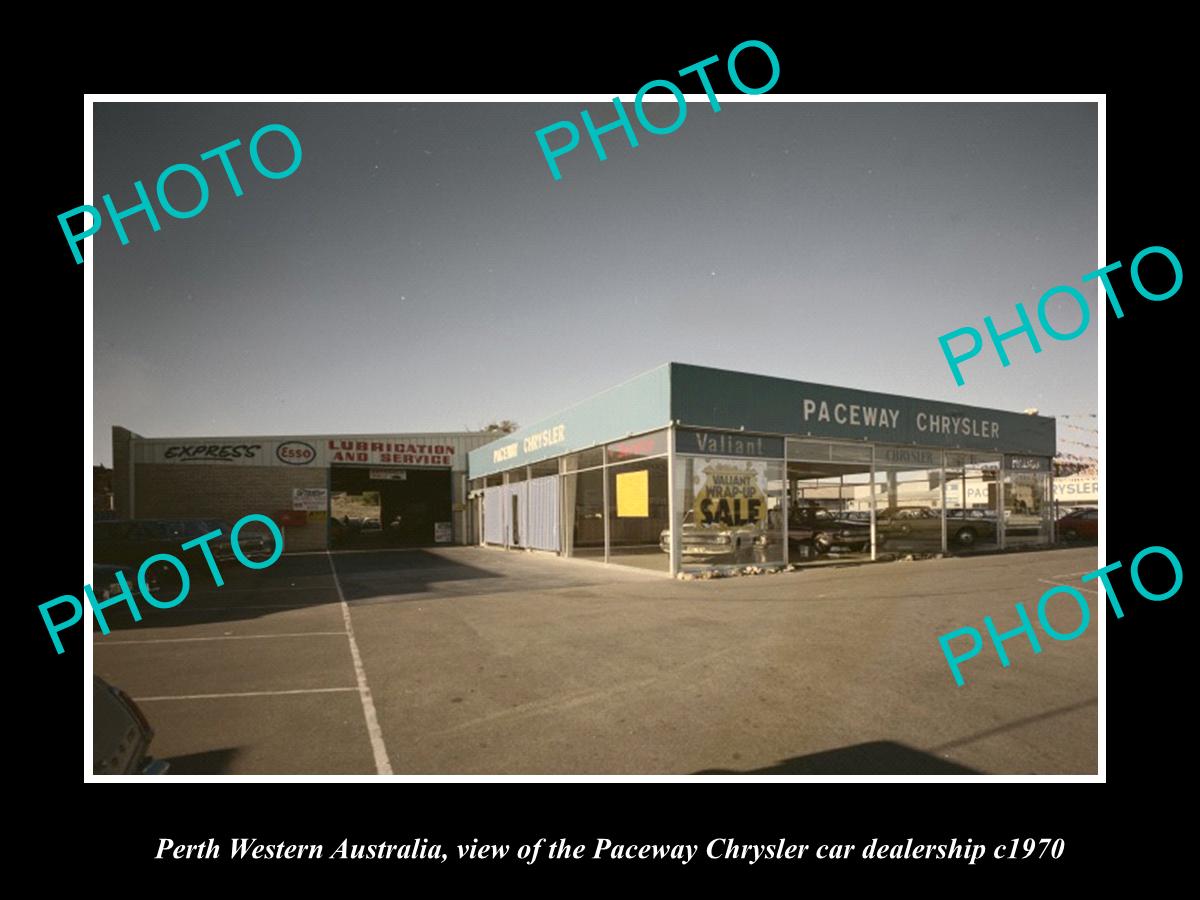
(422, 271)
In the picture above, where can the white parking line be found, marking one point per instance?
(246, 694)
(254, 590)
(382, 765)
(223, 637)
(200, 609)
(1077, 587)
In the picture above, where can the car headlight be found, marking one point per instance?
(724, 539)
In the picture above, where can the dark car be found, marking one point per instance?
(824, 530)
(129, 541)
(1079, 524)
(106, 585)
(121, 735)
(964, 527)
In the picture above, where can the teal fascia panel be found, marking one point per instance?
(702, 397)
(639, 405)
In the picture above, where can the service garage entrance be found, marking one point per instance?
(388, 506)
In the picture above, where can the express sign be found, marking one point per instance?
(211, 452)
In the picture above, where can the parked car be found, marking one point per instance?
(121, 735)
(714, 540)
(855, 515)
(1079, 524)
(105, 584)
(964, 528)
(129, 541)
(825, 530)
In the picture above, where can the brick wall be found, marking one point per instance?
(230, 492)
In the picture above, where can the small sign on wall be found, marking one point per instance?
(388, 475)
(443, 532)
(310, 499)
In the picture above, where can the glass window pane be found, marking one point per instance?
(1028, 510)
(585, 459)
(729, 511)
(637, 514)
(583, 500)
(826, 451)
(541, 469)
(635, 448)
(972, 499)
(829, 515)
(908, 503)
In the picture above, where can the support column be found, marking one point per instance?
(607, 530)
(874, 553)
(673, 512)
(942, 483)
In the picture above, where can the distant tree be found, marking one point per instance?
(504, 426)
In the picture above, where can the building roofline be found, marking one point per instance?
(314, 437)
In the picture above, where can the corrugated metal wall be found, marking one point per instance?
(537, 514)
(541, 530)
(493, 514)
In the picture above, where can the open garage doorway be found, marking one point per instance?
(388, 507)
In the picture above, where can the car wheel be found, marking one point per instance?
(1070, 535)
(965, 537)
(822, 542)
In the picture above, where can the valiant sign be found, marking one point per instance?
(718, 443)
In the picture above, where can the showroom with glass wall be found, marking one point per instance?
(688, 468)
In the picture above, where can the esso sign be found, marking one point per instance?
(295, 453)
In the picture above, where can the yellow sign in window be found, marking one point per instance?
(633, 494)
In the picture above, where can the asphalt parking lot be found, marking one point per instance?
(476, 661)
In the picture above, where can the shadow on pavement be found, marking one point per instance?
(298, 582)
(211, 762)
(1017, 723)
(873, 758)
(399, 572)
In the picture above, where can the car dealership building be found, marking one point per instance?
(678, 469)
(686, 467)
